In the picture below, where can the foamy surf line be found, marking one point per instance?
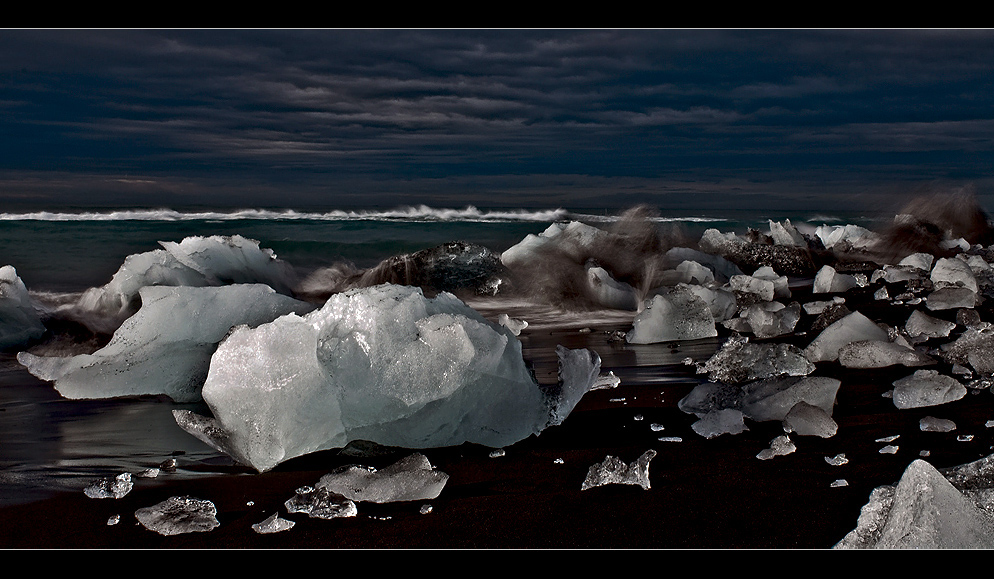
(419, 213)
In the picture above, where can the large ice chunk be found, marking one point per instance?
(177, 515)
(926, 388)
(738, 360)
(166, 347)
(195, 261)
(383, 364)
(679, 314)
(881, 354)
(922, 511)
(827, 280)
(852, 328)
(614, 471)
(19, 321)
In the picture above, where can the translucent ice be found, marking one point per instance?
(110, 488)
(922, 511)
(679, 314)
(738, 360)
(772, 319)
(926, 388)
(516, 326)
(780, 446)
(19, 321)
(933, 424)
(786, 234)
(853, 235)
(951, 297)
(410, 479)
(808, 420)
(177, 515)
(718, 422)
(273, 524)
(610, 293)
(827, 280)
(952, 272)
(773, 398)
(781, 288)
(880, 354)
(922, 325)
(196, 261)
(614, 471)
(166, 347)
(321, 504)
(852, 328)
(383, 364)
(762, 289)
(975, 348)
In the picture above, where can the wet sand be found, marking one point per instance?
(705, 494)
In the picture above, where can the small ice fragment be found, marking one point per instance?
(559, 461)
(425, 509)
(889, 449)
(925, 453)
(670, 439)
(840, 483)
(933, 424)
(409, 479)
(888, 438)
(638, 417)
(177, 515)
(320, 504)
(656, 427)
(606, 382)
(837, 460)
(964, 438)
(718, 422)
(113, 520)
(614, 471)
(273, 524)
(512, 324)
(926, 388)
(497, 453)
(780, 446)
(110, 488)
(989, 424)
(149, 473)
(616, 400)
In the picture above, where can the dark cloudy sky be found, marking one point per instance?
(351, 118)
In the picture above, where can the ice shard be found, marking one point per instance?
(166, 347)
(412, 478)
(615, 471)
(852, 328)
(926, 388)
(383, 364)
(178, 515)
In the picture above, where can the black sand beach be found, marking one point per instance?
(705, 493)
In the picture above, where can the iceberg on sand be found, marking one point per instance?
(383, 364)
(166, 347)
(19, 322)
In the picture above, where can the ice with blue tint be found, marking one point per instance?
(679, 314)
(195, 261)
(166, 347)
(383, 364)
(19, 320)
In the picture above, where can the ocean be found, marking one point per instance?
(50, 444)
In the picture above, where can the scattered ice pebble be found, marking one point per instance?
(926, 388)
(881, 294)
(925, 453)
(320, 504)
(149, 473)
(839, 483)
(425, 509)
(177, 515)
(412, 478)
(679, 314)
(496, 453)
(761, 289)
(670, 439)
(889, 449)
(772, 319)
(614, 471)
(780, 446)
(933, 424)
(924, 510)
(516, 326)
(110, 488)
(989, 424)
(656, 427)
(817, 307)
(718, 422)
(273, 524)
(837, 460)
(974, 347)
(964, 438)
(888, 438)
